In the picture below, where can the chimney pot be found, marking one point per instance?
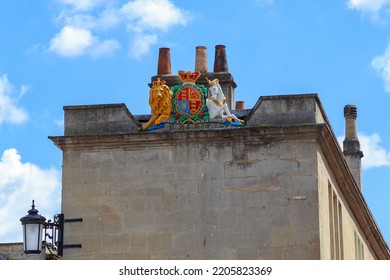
(164, 61)
(220, 61)
(350, 115)
(240, 105)
(350, 111)
(201, 62)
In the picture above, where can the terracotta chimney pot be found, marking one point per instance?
(220, 61)
(164, 61)
(201, 62)
(240, 105)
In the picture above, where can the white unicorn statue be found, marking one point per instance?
(216, 103)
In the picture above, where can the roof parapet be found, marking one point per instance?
(287, 110)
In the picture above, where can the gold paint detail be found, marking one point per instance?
(210, 83)
(160, 97)
(188, 76)
(189, 120)
(219, 104)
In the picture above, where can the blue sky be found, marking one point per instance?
(71, 52)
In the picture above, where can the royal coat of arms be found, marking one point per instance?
(188, 103)
(189, 100)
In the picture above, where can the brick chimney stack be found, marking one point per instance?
(351, 144)
(201, 62)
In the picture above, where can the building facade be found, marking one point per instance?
(276, 186)
(14, 251)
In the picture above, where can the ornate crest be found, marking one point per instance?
(189, 100)
(188, 103)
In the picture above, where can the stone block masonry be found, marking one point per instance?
(251, 192)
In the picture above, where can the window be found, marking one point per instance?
(340, 217)
(330, 195)
(335, 225)
(359, 248)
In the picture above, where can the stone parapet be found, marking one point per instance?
(269, 110)
(99, 119)
(287, 110)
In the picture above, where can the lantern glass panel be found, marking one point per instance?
(32, 237)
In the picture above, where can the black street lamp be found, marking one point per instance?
(33, 225)
(32, 231)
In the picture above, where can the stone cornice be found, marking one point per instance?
(169, 137)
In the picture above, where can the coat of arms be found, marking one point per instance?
(189, 100)
(188, 103)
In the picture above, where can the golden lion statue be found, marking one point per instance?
(160, 97)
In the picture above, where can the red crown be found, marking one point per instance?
(158, 82)
(188, 76)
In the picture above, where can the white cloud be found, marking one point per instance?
(104, 48)
(78, 20)
(381, 64)
(374, 154)
(84, 4)
(20, 183)
(84, 20)
(73, 41)
(369, 7)
(146, 18)
(105, 20)
(141, 45)
(23, 90)
(108, 18)
(59, 122)
(9, 110)
(153, 14)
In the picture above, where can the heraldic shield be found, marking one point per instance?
(189, 100)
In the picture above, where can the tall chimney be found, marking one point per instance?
(201, 62)
(221, 73)
(351, 144)
(164, 61)
(220, 61)
(164, 71)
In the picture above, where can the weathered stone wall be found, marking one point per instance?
(287, 110)
(193, 195)
(14, 251)
(99, 119)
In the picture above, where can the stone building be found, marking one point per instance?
(276, 187)
(14, 251)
